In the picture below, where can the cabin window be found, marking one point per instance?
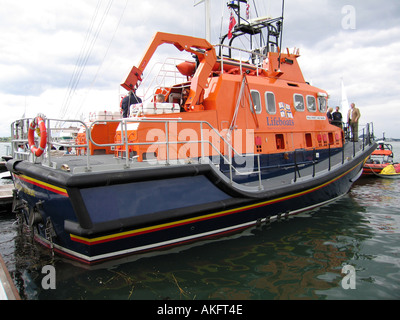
(322, 104)
(271, 105)
(255, 96)
(280, 141)
(311, 104)
(308, 140)
(298, 102)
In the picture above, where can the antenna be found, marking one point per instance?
(252, 28)
(208, 18)
(280, 45)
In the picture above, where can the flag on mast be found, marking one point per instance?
(232, 23)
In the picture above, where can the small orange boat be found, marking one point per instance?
(235, 143)
(380, 159)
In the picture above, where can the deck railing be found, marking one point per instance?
(20, 129)
(367, 139)
(204, 156)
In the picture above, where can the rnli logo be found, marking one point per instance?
(285, 110)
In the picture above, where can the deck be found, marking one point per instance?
(75, 165)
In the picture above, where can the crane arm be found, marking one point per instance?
(204, 51)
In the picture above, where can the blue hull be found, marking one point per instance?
(107, 215)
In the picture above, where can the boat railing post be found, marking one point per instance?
(369, 134)
(126, 145)
(259, 172)
(295, 165)
(230, 162)
(354, 148)
(167, 140)
(373, 133)
(343, 153)
(363, 139)
(48, 142)
(88, 139)
(123, 135)
(202, 142)
(314, 156)
(329, 156)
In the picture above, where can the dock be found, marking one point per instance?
(6, 196)
(3, 167)
(8, 291)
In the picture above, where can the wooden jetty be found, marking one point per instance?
(8, 291)
(6, 196)
(3, 167)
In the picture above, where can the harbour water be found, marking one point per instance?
(299, 258)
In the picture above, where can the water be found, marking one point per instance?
(301, 258)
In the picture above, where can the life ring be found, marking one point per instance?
(39, 122)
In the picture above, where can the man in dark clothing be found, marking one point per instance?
(337, 118)
(127, 101)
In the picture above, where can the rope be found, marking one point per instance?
(84, 56)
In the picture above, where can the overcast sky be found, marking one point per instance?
(41, 42)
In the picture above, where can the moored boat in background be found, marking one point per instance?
(379, 159)
(389, 172)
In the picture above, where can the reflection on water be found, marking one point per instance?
(298, 258)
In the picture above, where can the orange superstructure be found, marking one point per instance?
(264, 109)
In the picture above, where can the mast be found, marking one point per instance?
(268, 42)
(281, 33)
(207, 18)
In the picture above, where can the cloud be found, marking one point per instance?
(368, 63)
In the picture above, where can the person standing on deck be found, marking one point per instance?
(352, 118)
(337, 118)
(329, 114)
(127, 101)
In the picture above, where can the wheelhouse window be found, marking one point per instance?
(299, 102)
(256, 104)
(271, 104)
(311, 104)
(322, 102)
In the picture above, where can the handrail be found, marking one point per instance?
(19, 133)
(367, 140)
(125, 142)
(167, 142)
(260, 56)
(46, 157)
(159, 79)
